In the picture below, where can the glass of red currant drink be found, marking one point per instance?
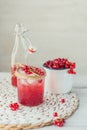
(30, 85)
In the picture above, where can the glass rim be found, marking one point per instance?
(28, 76)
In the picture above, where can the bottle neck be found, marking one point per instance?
(19, 53)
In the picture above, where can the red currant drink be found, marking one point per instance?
(31, 89)
(30, 94)
(13, 77)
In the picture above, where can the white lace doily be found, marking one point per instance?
(33, 115)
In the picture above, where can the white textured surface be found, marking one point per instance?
(33, 115)
(58, 29)
(74, 122)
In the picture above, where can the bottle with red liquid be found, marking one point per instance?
(19, 53)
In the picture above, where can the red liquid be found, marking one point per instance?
(30, 94)
(13, 77)
(14, 81)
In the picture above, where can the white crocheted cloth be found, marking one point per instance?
(33, 115)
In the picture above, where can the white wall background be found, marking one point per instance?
(58, 29)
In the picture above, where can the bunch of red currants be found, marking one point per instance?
(61, 63)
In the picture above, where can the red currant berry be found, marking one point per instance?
(74, 72)
(70, 71)
(60, 124)
(55, 122)
(63, 120)
(11, 105)
(40, 81)
(51, 64)
(42, 73)
(63, 100)
(55, 114)
(16, 105)
(73, 65)
(55, 61)
(66, 66)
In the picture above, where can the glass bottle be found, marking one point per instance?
(19, 53)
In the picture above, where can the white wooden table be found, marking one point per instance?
(78, 121)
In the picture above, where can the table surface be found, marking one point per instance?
(78, 121)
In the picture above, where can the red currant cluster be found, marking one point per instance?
(31, 69)
(26, 69)
(57, 121)
(61, 63)
(14, 106)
